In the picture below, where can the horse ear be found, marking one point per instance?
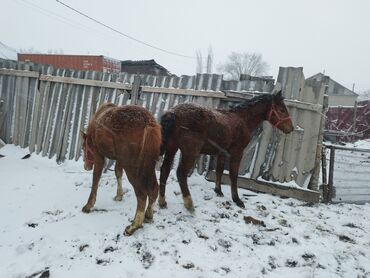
(278, 95)
(83, 134)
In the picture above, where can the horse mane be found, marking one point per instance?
(249, 103)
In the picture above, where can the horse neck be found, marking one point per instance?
(255, 115)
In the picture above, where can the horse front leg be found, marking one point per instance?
(98, 169)
(219, 172)
(234, 171)
(119, 172)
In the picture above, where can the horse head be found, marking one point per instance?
(88, 151)
(278, 115)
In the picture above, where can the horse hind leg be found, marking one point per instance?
(146, 186)
(98, 169)
(141, 196)
(153, 194)
(234, 170)
(186, 163)
(165, 171)
(139, 215)
(219, 172)
(119, 172)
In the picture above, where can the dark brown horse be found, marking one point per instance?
(196, 130)
(131, 136)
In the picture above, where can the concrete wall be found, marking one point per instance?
(342, 100)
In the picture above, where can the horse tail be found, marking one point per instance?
(149, 152)
(168, 123)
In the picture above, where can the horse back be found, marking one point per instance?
(205, 126)
(122, 131)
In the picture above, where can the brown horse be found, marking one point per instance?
(196, 130)
(131, 136)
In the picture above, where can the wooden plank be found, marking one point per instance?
(262, 149)
(304, 105)
(17, 110)
(2, 115)
(135, 90)
(9, 97)
(66, 123)
(33, 83)
(36, 113)
(183, 92)
(87, 82)
(45, 90)
(148, 99)
(103, 91)
(66, 126)
(271, 188)
(76, 117)
(87, 90)
(162, 106)
(153, 108)
(19, 73)
(314, 182)
(94, 97)
(171, 101)
(25, 99)
(52, 135)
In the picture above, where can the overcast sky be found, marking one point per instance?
(330, 35)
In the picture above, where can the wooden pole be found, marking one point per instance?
(331, 175)
(324, 174)
(354, 121)
(135, 90)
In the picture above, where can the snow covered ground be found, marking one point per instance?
(43, 231)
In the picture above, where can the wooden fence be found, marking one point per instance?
(44, 108)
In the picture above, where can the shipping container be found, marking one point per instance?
(78, 62)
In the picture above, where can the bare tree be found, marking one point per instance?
(209, 68)
(365, 95)
(199, 68)
(243, 63)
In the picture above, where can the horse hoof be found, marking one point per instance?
(118, 198)
(162, 204)
(189, 207)
(130, 229)
(219, 192)
(148, 220)
(188, 204)
(86, 209)
(240, 203)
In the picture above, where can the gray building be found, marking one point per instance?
(338, 94)
(144, 67)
